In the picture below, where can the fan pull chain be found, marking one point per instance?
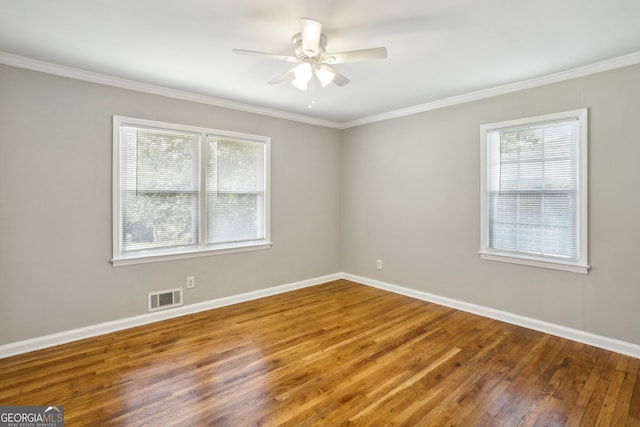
(312, 93)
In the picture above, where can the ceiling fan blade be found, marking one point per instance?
(266, 55)
(284, 76)
(340, 80)
(310, 31)
(355, 56)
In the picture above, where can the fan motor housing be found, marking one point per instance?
(301, 54)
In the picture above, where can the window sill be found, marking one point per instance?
(142, 258)
(535, 262)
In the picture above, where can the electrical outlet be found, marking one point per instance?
(191, 282)
(379, 264)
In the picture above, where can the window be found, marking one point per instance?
(182, 191)
(534, 191)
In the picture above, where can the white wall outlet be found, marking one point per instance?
(191, 282)
(379, 264)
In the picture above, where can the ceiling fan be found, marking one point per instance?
(309, 47)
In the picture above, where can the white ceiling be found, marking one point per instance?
(437, 49)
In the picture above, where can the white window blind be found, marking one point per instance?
(159, 189)
(534, 191)
(180, 191)
(235, 191)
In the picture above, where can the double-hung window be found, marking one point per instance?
(182, 191)
(534, 191)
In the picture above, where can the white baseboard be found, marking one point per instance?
(38, 343)
(577, 335)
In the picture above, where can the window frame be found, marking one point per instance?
(486, 252)
(119, 257)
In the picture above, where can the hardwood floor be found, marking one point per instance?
(330, 355)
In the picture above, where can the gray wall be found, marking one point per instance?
(411, 197)
(405, 191)
(55, 206)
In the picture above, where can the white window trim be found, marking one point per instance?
(140, 257)
(487, 253)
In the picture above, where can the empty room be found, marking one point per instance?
(319, 213)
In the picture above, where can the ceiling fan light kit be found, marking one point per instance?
(303, 73)
(309, 48)
(325, 75)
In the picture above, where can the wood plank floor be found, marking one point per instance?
(336, 354)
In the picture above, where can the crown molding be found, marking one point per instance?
(587, 70)
(104, 79)
(74, 73)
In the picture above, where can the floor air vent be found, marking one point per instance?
(161, 300)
